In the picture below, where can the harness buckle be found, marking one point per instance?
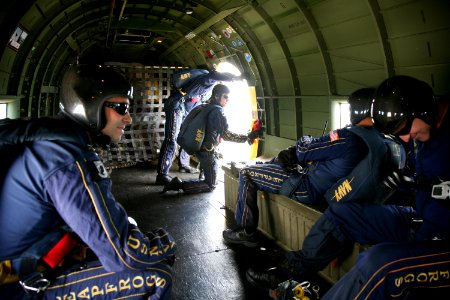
(441, 191)
(35, 283)
(301, 170)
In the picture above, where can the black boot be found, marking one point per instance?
(162, 179)
(174, 185)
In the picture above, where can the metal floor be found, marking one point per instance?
(205, 267)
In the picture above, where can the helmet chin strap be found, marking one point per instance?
(442, 112)
(100, 139)
(214, 100)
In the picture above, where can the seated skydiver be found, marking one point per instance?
(216, 129)
(307, 171)
(410, 248)
(181, 101)
(62, 233)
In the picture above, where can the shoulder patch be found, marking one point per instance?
(334, 136)
(97, 170)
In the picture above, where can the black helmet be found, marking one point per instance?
(401, 99)
(84, 90)
(360, 103)
(218, 91)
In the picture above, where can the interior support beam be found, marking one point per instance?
(292, 69)
(209, 23)
(383, 37)
(321, 44)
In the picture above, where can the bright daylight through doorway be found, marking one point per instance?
(239, 116)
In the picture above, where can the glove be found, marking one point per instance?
(162, 239)
(287, 158)
(392, 180)
(243, 76)
(252, 135)
(396, 178)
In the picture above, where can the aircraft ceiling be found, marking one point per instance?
(312, 50)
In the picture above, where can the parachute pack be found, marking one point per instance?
(364, 183)
(185, 77)
(192, 131)
(182, 82)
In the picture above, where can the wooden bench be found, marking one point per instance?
(286, 221)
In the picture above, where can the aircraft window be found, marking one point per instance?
(2, 110)
(340, 114)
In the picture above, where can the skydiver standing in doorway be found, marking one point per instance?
(193, 88)
(216, 128)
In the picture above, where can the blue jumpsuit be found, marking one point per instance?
(62, 182)
(324, 160)
(407, 253)
(177, 107)
(216, 128)
(175, 114)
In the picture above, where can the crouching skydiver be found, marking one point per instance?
(192, 88)
(216, 128)
(62, 233)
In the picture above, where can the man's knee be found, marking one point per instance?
(379, 258)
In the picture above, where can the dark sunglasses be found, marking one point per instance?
(405, 128)
(225, 96)
(120, 108)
